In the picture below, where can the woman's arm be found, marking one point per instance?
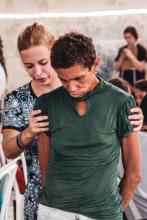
(119, 62)
(10, 147)
(139, 65)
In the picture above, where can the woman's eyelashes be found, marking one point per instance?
(42, 62)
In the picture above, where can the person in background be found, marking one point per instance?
(143, 106)
(140, 194)
(131, 58)
(19, 124)
(3, 76)
(125, 85)
(79, 153)
(140, 90)
(122, 84)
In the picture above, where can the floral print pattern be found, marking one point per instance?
(17, 107)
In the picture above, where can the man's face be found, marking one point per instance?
(77, 80)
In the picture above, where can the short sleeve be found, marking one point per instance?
(12, 116)
(124, 127)
(142, 54)
(118, 55)
(42, 105)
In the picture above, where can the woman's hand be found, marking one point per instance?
(136, 118)
(37, 123)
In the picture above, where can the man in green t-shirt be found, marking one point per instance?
(88, 125)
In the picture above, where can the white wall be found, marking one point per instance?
(107, 32)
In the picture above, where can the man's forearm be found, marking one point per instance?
(44, 150)
(128, 185)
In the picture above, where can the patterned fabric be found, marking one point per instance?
(17, 108)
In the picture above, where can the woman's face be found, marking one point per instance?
(36, 60)
(130, 39)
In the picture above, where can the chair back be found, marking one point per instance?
(7, 176)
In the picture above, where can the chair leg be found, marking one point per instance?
(14, 208)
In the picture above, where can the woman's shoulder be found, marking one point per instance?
(24, 89)
(141, 47)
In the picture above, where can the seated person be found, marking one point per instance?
(131, 58)
(125, 85)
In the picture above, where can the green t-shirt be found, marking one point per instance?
(82, 174)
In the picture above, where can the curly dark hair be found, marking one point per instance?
(71, 49)
(141, 84)
(2, 59)
(121, 83)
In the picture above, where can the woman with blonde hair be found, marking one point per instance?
(19, 124)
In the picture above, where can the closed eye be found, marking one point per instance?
(79, 78)
(44, 62)
(28, 66)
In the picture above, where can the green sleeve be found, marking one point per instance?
(42, 105)
(123, 126)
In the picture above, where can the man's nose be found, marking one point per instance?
(72, 86)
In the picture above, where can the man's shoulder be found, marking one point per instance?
(56, 92)
(116, 94)
(53, 95)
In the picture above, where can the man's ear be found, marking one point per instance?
(96, 65)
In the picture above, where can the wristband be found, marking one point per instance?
(21, 145)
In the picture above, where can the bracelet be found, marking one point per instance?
(19, 142)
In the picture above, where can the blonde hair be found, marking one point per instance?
(35, 34)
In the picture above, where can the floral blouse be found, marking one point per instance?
(17, 107)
